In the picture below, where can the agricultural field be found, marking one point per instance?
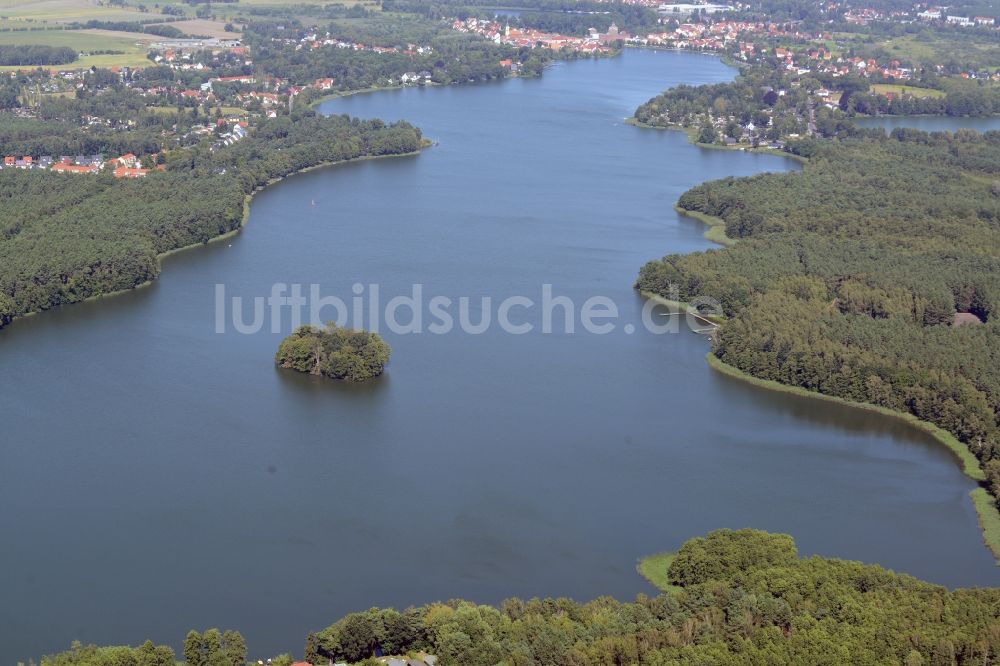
(885, 88)
(224, 11)
(204, 27)
(63, 11)
(130, 46)
(19, 14)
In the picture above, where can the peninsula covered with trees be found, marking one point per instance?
(65, 238)
(872, 275)
(334, 352)
(737, 597)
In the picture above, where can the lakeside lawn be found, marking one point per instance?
(884, 88)
(654, 569)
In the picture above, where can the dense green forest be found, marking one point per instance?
(744, 597)
(35, 54)
(849, 275)
(334, 352)
(961, 98)
(969, 101)
(26, 136)
(64, 238)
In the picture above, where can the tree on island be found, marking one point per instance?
(335, 352)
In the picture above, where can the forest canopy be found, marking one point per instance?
(744, 597)
(64, 238)
(334, 352)
(35, 54)
(851, 277)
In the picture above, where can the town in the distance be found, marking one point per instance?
(218, 90)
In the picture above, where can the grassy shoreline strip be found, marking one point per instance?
(654, 569)
(986, 509)
(989, 519)
(716, 231)
(969, 464)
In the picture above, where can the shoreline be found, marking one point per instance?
(402, 86)
(687, 308)
(987, 513)
(882, 116)
(693, 139)
(247, 199)
(363, 91)
(654, 568)
(716, 231)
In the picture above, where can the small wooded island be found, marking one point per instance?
(335, 352)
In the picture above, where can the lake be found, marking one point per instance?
(157, 476)
(931, 123)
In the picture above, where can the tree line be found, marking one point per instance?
(65, 238)
(155, 27)
(971, 101)
(744, 597)
(31, 55)
(848, 276)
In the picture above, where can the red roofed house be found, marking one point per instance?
(66, 167)
(129, 172)
(128, 160)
